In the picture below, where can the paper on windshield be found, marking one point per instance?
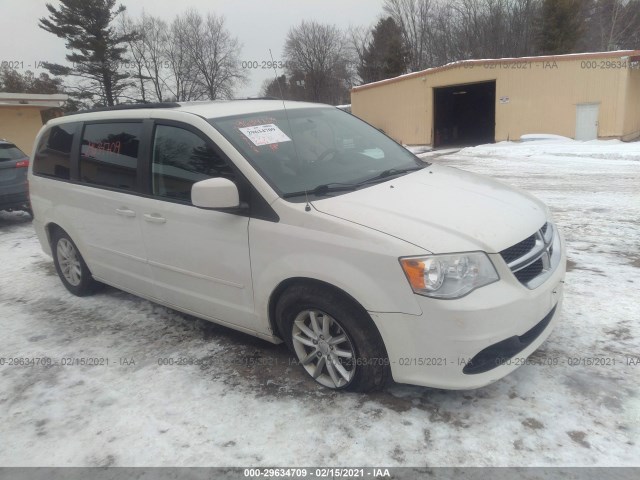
(265, 134)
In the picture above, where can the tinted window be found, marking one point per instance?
(109, 154)
(180, 159)
(53, 155)
(10, 152)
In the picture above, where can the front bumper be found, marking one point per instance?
(468, 343)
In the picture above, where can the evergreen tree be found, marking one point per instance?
(286, 88)
(12, 81)
(276, 88)
(560, 26)
(96, 49)
(386, 54)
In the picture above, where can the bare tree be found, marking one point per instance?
(358, 38)
(158, 58)
(522, 17)
(413, 18)
(612, 25)
(494, 28)
(469, 28)
(192, 58)
(181, 83)
(442, 44)
(213, 53)
(440, 31)
(155, 36)
(320, 53)
(137, 52)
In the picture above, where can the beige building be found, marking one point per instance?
(582, 96)
(22, 115)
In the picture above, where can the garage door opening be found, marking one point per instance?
(464, 114)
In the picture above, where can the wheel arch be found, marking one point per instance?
(50, 230)
(276, 294)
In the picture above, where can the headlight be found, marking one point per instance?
(449, 276)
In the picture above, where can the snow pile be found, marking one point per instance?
(544, 136)
(557, 146)
(418, 149)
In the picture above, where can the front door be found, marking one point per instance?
(199, 258)
(587, 121)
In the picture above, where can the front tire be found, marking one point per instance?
(71, 267)
(334, 339)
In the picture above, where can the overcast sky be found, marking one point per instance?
(258, 24)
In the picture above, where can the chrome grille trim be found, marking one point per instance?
(545, 250)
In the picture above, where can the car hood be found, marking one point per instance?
(443, 209)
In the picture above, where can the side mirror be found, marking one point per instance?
(215, 193)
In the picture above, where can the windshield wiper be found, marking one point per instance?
(348, 187)
(324, 189)
(391, 172)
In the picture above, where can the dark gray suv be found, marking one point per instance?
(14, 190)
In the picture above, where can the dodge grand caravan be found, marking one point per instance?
(300, 223)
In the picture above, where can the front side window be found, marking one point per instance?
(53, 155)
(109, 154)
(315, 150)
(180, 159)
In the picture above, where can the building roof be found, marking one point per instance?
(33, 99)
(634, 54)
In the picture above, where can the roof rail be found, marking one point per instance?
(127, 106)
(259, 98)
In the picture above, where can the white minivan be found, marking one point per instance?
(300, 223)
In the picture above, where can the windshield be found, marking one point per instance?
(315, 150)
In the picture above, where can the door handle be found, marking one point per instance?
(125, 212)
(154, 218)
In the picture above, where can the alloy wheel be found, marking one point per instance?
(324, 349)
(69, 262)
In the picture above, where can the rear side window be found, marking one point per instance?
(109, 154)
(180, 159)
(10, 152)
(53, 155)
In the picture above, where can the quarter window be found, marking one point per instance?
(53, 155)
(109, 154)
(180, 159)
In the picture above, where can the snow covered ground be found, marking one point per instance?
(246, 405)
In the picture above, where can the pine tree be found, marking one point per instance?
(386, 54)
(96, 49)
(560, 26)
(12, 81)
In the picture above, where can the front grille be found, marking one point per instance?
(519, 249)
(534, 259)
(529, 273)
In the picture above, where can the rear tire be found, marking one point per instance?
(333, 338)
(70, 265)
